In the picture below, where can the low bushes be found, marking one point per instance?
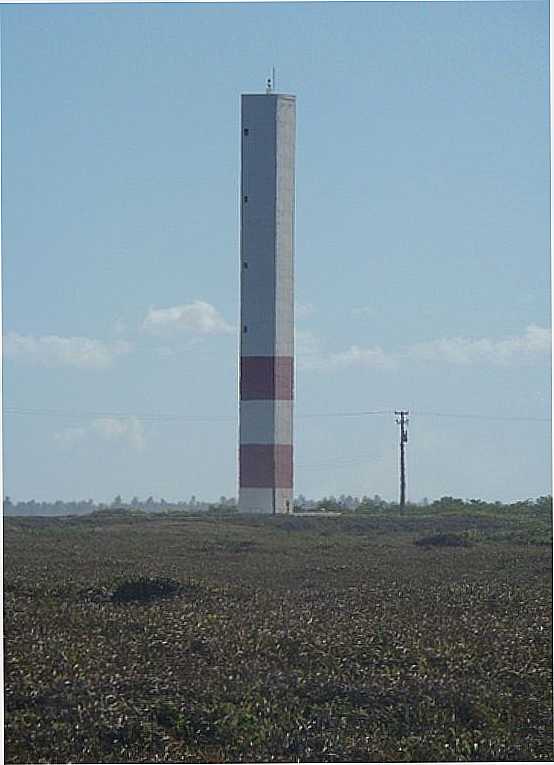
(443, 540)
(144, 589)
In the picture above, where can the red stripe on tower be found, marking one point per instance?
(266, 465)
(266, 378)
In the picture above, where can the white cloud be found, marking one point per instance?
(197, 318)
(119, 327)
(461, 351)
(164, 352)
(70, 436)
(178, 348)
(354, 356)
(303, 310)
(364, 310)
(311, 354)
(306, 342)
(129, 430)
(364, 357)
(52, 350)
(458, 350)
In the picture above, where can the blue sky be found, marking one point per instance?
(422, 245)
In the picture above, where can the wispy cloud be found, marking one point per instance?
(361, 357)
(354, 356)
(364, 310)
(119, 327)
(70, 436)
(303, 310)
(53, 350)
(533, 343)
(306, 342)
(459, 350)
(198, 318)
(164, 352)
(128, 431)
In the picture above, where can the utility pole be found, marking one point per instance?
(402, 420)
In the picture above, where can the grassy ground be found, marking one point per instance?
(376, 638)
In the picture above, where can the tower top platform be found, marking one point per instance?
(268, 95)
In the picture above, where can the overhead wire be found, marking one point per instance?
(325, 464)
(173, 416)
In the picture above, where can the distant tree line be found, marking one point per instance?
(377, 504)
(87, 506)
(226, 505)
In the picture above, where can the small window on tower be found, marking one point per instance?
(246, 197)
(245, 329)
(245, 131)
(245, 264)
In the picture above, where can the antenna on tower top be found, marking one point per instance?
(270, 82)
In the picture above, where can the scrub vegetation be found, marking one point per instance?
(375, 636)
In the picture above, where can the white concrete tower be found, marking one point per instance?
(267, 303)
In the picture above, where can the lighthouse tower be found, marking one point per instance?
(268, 124)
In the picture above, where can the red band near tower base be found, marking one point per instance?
(266, 466)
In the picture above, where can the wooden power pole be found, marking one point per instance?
(402, 420)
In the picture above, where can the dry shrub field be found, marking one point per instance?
(149, 638)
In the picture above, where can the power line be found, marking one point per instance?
(160, 416)
(154, 417)
(335, 462)
(345, 414)
(482, 416)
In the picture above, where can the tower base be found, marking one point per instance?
(266, 501)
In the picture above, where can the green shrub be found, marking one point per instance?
(443, 540)
(144, 589)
